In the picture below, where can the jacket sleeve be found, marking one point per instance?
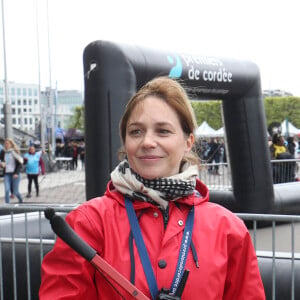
(243, 279)
(18, 168)
(64, 273)
(42, 165)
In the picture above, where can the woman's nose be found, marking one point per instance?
(149, 140)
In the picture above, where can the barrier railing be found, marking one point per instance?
(26, 236)
(217, 176)
(285, 170)
(276, 239)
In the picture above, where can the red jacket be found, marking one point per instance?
(227, 270)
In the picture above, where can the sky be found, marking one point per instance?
(45, 40)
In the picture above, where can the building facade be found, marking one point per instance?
(28, 106)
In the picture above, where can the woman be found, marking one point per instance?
(291, 146)
(156, 186)
(11, 162)
(34, 165)
(278, 148)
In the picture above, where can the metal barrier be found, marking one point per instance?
(217, 176)
(285, 170)
(26, 236)
(276, 239)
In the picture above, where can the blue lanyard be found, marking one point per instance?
(140, 244)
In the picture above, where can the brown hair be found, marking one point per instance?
(175, 96)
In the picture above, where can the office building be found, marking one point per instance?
(27, 111)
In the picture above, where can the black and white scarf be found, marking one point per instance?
(160, 190)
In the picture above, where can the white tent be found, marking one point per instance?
(204, 130)
(289, 128)
(220, 132)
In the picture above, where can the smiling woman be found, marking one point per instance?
(154, 223)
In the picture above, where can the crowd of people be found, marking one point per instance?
(73, 150)
(283, 151)
(212, 152)
(13, 162)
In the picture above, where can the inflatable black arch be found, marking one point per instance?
(113, 73)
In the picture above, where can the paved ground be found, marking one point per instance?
(62, 187)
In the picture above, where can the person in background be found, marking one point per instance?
(214, 156)
(155, 202)
(11, 162)
(34, 166)
(278, 147)
(284, 171)
(291, 146)
(68, 152)
(81, 150)
(74, 155)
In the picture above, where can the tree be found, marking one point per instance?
(209, 111)
(277, 109)
(77, 120)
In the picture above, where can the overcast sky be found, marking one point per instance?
(263, 31)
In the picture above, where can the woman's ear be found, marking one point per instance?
(189, 142)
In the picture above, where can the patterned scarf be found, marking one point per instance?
(159, 191)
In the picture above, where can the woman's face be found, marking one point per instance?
(155, 142)
(7, 145)
(31, 149)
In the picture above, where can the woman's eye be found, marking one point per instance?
(163, 131)
(135, 132)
